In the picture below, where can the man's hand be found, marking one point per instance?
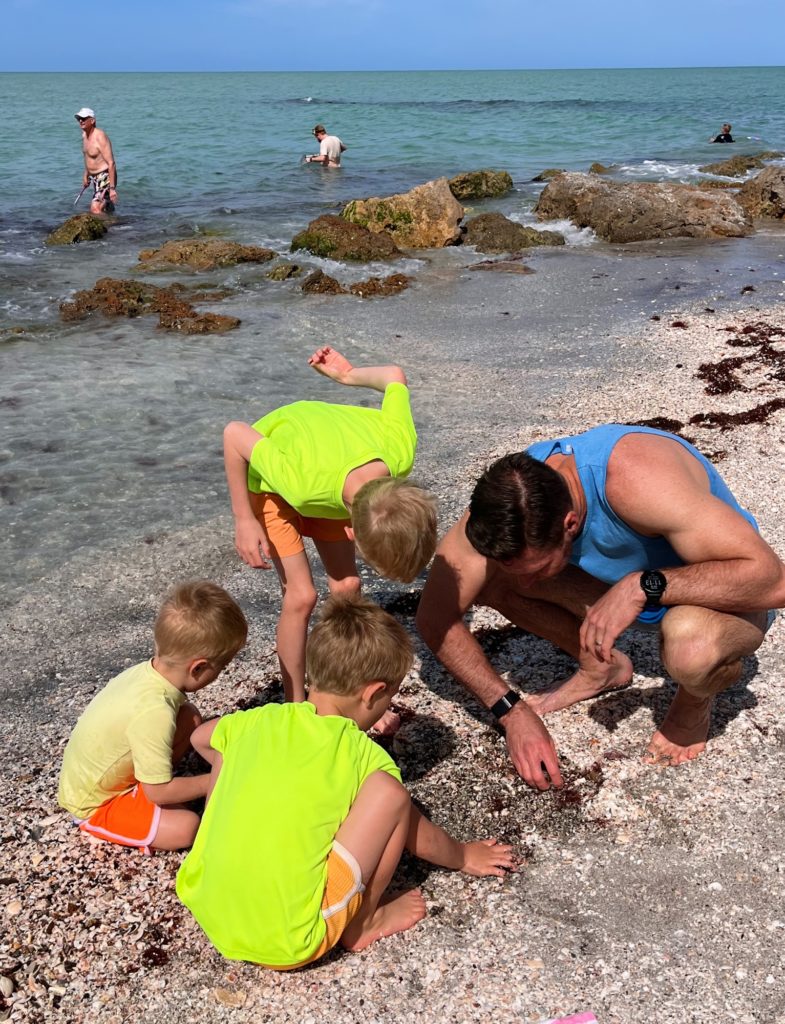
(607, 618)
(251, 543)
(531, 748)
(331, 364)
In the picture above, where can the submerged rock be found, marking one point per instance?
(734, 167)
(634, 211)
(548, 173)
(284, 271)
(203, 254)
(511, 266)
(426, 217)
(83, 227)
(336, 238)
(380, 286)
(134, 298)
(493, 232)
(764, 195)
(480, 184)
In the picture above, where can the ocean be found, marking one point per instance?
(112, 430)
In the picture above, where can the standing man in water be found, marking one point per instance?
(99, 166)
(330, 148)
(577, 539)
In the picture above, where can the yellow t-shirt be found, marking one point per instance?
(124, 736)
(309, 448)
(255, 877)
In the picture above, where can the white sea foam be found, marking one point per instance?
(659, 169)
(572, 235)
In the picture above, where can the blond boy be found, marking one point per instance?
(334, 473)
(306, 816)
(117, 777)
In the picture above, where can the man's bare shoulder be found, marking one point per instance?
(647, 463)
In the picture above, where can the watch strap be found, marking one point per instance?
(505, 704)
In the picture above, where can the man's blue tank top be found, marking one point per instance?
(607, 548)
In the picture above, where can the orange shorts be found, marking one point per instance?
(343, 897)
(129, 820)
(286, 527)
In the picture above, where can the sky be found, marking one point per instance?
(367, 35)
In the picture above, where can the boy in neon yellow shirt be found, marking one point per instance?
(306, 817)
(117, 778)
(334, 473)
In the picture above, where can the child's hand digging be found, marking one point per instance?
(488, 857)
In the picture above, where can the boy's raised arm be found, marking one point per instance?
(337, 367)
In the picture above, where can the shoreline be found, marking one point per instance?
(646, 895)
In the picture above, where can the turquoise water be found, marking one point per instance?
(111, 431)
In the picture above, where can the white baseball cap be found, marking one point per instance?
(85, 112)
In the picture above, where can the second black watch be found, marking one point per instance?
(653, 584)
(505, 704)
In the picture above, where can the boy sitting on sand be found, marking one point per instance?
(333, 473)
(306, 816)
(117, 768)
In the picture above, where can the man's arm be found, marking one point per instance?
(659, 489)
(332, 364)
(250, 538)
(457, 577)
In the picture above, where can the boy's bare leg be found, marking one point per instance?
(177, 829)
(554, 609)
(299, 601)
(375, 832)
(339, 561)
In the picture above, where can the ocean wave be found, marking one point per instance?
(658, 169)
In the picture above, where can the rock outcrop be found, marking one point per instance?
(734, 167)
(84, 227)
(480, 184)
(548, 173)
(426, 217)
(634, 211)
(764, 195)
(335, 238)
(493, 232)
(284, 271)
(598, 168)
(134, 298)
(319, 283)
(202, 254)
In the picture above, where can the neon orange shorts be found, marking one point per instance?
(129, 820)
(286, 527)
(343, 897)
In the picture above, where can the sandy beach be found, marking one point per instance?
(644, 895)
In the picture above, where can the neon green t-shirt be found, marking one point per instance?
(308, 449)
(123, 736)
(255, 877)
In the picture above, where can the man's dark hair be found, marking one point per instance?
(517, 503)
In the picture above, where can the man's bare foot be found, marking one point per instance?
(388, 724)
(682, 735)
(398, 914)
(586, 683)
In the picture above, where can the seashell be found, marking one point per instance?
(229, 997)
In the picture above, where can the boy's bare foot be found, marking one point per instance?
(398, 914)
(586, 683)
(682, 735)
(388, 724)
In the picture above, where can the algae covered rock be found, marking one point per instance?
(203, 254)
(135, 298)
(426, 217)
(634, 211)
(335, 238)
(548, 173)
(734, 167)
(84, 227)
(319, 283)
(597, 168)
(380, 286)
(284, 271)
(493, 232)
(764, 195)
(480, 184)
(511, 266)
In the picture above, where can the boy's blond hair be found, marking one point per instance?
(354, 643)
(394, 525)
(199, 619)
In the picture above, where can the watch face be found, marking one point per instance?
(653, 583)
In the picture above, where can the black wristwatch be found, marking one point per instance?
(504, 704)
(653, 584)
